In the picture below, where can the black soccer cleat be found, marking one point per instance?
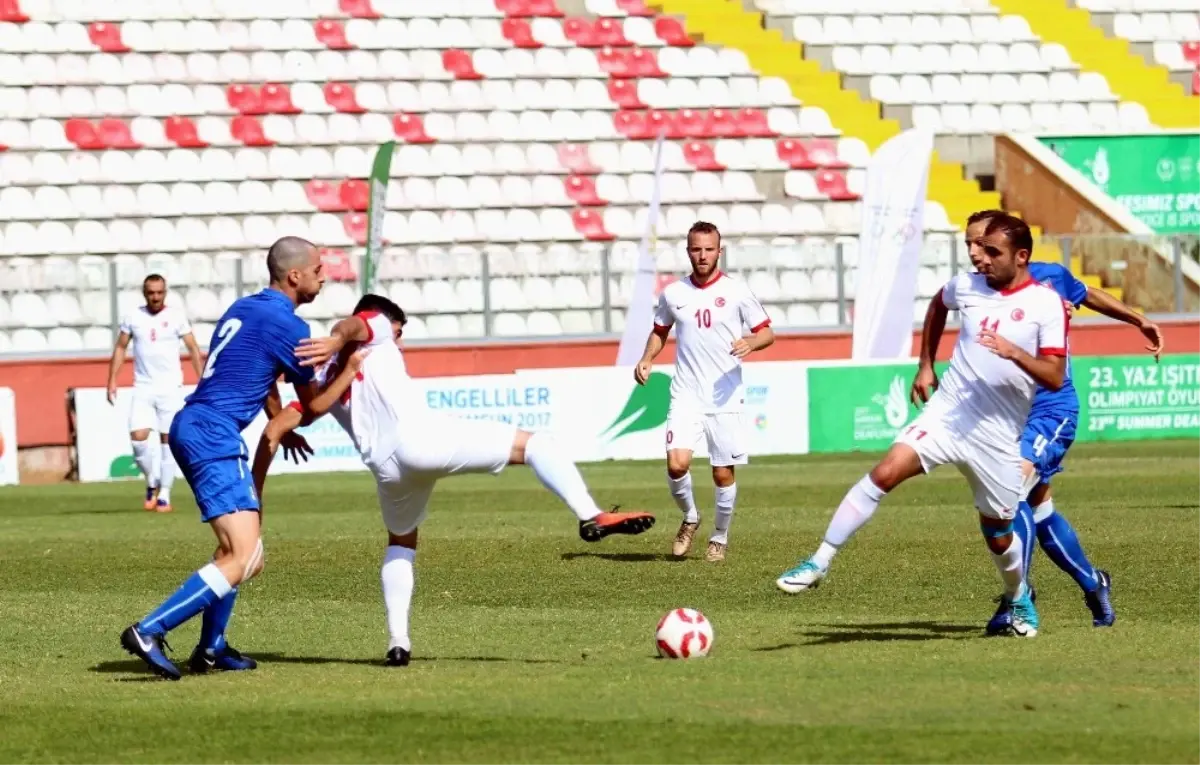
(227, 659)
(604, 524)
(152, 650)
(397, 657)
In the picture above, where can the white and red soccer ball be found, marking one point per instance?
(684, 633)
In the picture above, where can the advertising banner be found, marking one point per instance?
(1127, 398)
(8, 437)
(1155, 176)
(858, 408)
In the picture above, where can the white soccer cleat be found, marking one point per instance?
(806, 576)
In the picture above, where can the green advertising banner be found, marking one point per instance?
(1154, 176)
(1130, 398)
(858, 408)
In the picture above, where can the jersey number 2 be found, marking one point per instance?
(225, 334)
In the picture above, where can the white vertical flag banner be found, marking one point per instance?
(639, 317)
(889, 247)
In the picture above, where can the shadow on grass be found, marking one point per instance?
(134, 666)
(883, 632)
(623, 557)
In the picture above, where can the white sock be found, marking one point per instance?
(1043, 511)
(681, 491)
(558, 473)
(1010, 564)
(726, 497)
(857, 507)
(143, 455)
(166, 473)
(398, 581)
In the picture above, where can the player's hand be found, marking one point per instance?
(1154, 334)
(295, 447)
(315, 351)
(997, 345)
(741, 348)
(112, 394)
(641, 372)
(356, 361)
(924, 384)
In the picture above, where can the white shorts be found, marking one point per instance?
(725, 433)
(993, 470)
(444, 446)
(154, 409)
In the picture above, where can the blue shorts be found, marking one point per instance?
(213, 458)
(1046, 439)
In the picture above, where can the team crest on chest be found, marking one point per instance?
(1018, 314)
(719, 302)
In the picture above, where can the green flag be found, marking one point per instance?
(380, 170)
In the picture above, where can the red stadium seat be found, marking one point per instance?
(249, 131)
(624, 94)
(610, 32)
(459, 64)
(701, 156)
(276, 98)
(574, 157)
(691, 123)
(590, 224)
(324, 196)
(355, 194)
(632, 125)
(659, 121)
(331, 34)
(83, 134)
(244, 99)
(340, 96)
(719, 123)
(581, 32)
(519, 33)
(614, 62)
(643, 62)
(753, 123)
(359, 9)
(106, 37)
(794, 153)
(543, 8)
(338, 265)
(582, 191)
(355, 224)
(1191, 52)
(10, 11)
(410, 128)
(823, 152)
(672, 32)
(661, 281)
(115, 134)
(182, 132)
(635, 7)
(833, 185)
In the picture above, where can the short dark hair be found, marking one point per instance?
(287, 253)
(975, 217)
(703, 227)
(1015, 230)
(380, 304)
(154, 278)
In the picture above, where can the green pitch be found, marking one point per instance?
(531, 645)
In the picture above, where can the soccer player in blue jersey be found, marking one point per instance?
(253, 344)
(1049, 433)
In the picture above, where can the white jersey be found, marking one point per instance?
(156, 339)
(382, 403)
(707, 320)
(982, 394)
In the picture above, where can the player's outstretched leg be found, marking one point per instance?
(679, 479)
(860, 503)
(398, 580)
(725, 490)
(143, 456)
(1023, 527)
(558, 473)
(1009, 556)
(166, 478)
(213, 652)
(1060, 542)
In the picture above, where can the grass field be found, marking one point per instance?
(531, 645)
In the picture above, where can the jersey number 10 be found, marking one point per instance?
(224, 334)
(703, 318)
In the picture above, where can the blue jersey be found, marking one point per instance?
(1057, 277)
(253, 343)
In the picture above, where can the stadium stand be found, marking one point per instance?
(183, 136)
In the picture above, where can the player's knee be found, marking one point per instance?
(255, 563)
(141, 435)
(723, 475)
(678, 464)
(998, 533)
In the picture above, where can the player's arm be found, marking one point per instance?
(1048, 369)
(931, 337)
(114, 364)
(761, 334)
(325, 396)
(268, 444)
(1103, 303)
(315, 351)
(663, 319)
(194, 353)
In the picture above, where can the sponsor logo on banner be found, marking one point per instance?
(645, 409)
(8, 437)
(1125, 398)
(858, 408)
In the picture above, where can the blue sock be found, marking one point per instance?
(1026, 529)
(201, 590)
(216, 619)
(1061, 543)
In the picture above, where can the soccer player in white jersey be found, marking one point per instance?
(718, 322)
(1012, 339)
(409, 447)
(156, 330)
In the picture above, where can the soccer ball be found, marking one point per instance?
(684, 633)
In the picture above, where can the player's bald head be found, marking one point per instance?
(290, 253)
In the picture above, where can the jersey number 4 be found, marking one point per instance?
(225, 334)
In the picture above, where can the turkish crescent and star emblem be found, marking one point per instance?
(1018, 314)
(720, 302)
